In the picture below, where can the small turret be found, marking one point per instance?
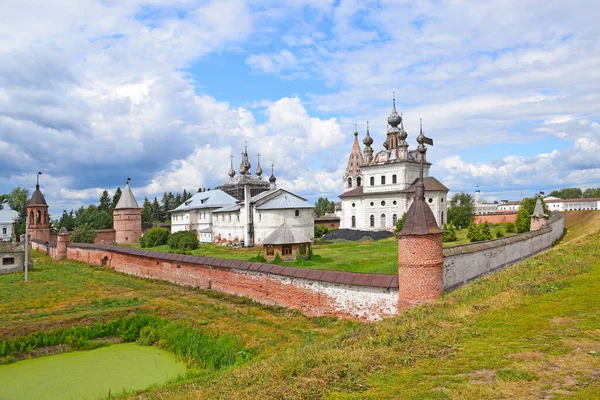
(272, 179)
(368, 141)
(259, 170)
(231, 172)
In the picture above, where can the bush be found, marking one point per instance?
(155, 236)
(182, 241)
(83, 234)
(510, 228)
(473, 233)
(499, 234)
(400, 224)
(449, 234)
(485, 232)
(320, 230)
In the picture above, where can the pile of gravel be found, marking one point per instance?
(355, 235)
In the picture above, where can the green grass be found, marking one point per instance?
(380, 257)
(529, 331)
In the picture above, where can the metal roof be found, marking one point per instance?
(431, 184)
(284, 200)
(285, 235)
(8, 216)
(37, 199)
(233, 207)
(127, 199)
(205, 230)
(210, 199)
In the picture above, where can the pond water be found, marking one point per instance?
(88, 374)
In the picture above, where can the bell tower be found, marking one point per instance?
(37, 214)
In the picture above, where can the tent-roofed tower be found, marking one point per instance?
(353, 175)
(37, 211)
(127, 218)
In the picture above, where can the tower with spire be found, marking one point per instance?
(236, 184)
(37, 214)
(127, 218)
(353, 176)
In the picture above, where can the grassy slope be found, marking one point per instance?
(379, 257)
(529, 331)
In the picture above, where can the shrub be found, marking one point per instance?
(321, 230)
(182, 241)
(473, 233)
(510, 228)
(499, 234)
(449, 234)
(485, 232)
(83, 234)
(155, 236)
(400, 224)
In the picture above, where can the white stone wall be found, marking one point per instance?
(406, 173)
(228, 225)
(266, 221)
(6, 230)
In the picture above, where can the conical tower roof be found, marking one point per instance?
(127, 199)
(37, 198)
(356, 158)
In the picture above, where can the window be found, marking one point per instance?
(442, 219)
(270, 250)
(382, 221)
(394, 179)
(430, 200)
(4, 231)
(349, 182)
(372, 221)
(286, 250)
(238, 218)
(8, 261)
(259, 217)
(38, 218)
(354, 221)
(383, 203)
(372, 181)
(394, 202)
(383, 180)
(303, 248)
(442, 199)
(394, 219)
(372, 204)
(297, 213)
(229, 217)
(358, 181)
(353, 204)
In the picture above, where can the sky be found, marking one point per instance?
(162, 92)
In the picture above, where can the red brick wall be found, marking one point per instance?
(496, 218)
(128, 225)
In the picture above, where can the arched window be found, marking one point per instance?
(354, 221)
(358, 181)
(395, 219)
(31, 217)
(442, 219)
(45, 217)
(349, 182)
(297, 213)
(38, 217)
(382, 221)
(372, 221)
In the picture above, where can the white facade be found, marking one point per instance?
(7, 219)
(573, 204)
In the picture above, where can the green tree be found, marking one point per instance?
(146, 211)
(155, 210)
(67, 221)
(485, 231)
(567, 193)
(183, 241)
(83, 234)
(17, 200)
(3, 199)
(591, 192)
(105, 202)
(324, 206)
(449, 234)
(115, 199)
(155, 236)
(400, 223)
(523, 222)
(473, 232)
(461, 210)
(510, 227)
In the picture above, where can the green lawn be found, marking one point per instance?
(529, 331)
(380, 257)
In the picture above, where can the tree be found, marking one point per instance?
(3, 199)
(567, 193)
(115, 199)
(449, 234)
(324, 206)
(155, 236)
(591, 192)
(523, 222)
(146, 211)
(105, 202)
(400, 223)
(461, 210)
(17, 200)
(473, 232)
(485, 231)
(67, 221)
(83, 234)
(155, 210)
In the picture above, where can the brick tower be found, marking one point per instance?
(538, 218)
(127, 218)
(420, 251)
(37, 212)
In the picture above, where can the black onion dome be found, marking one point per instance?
(394, 119)
(272, 178)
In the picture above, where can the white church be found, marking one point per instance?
(379, 188)
(245, 209)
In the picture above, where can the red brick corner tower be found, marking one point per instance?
(420, 250)
(37, 213)
(538, 218)
(127, 218)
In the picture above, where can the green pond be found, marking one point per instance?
(88, 374)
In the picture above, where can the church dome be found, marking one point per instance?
(368, 140)
(394, 119)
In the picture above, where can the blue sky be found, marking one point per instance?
(93, 92)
